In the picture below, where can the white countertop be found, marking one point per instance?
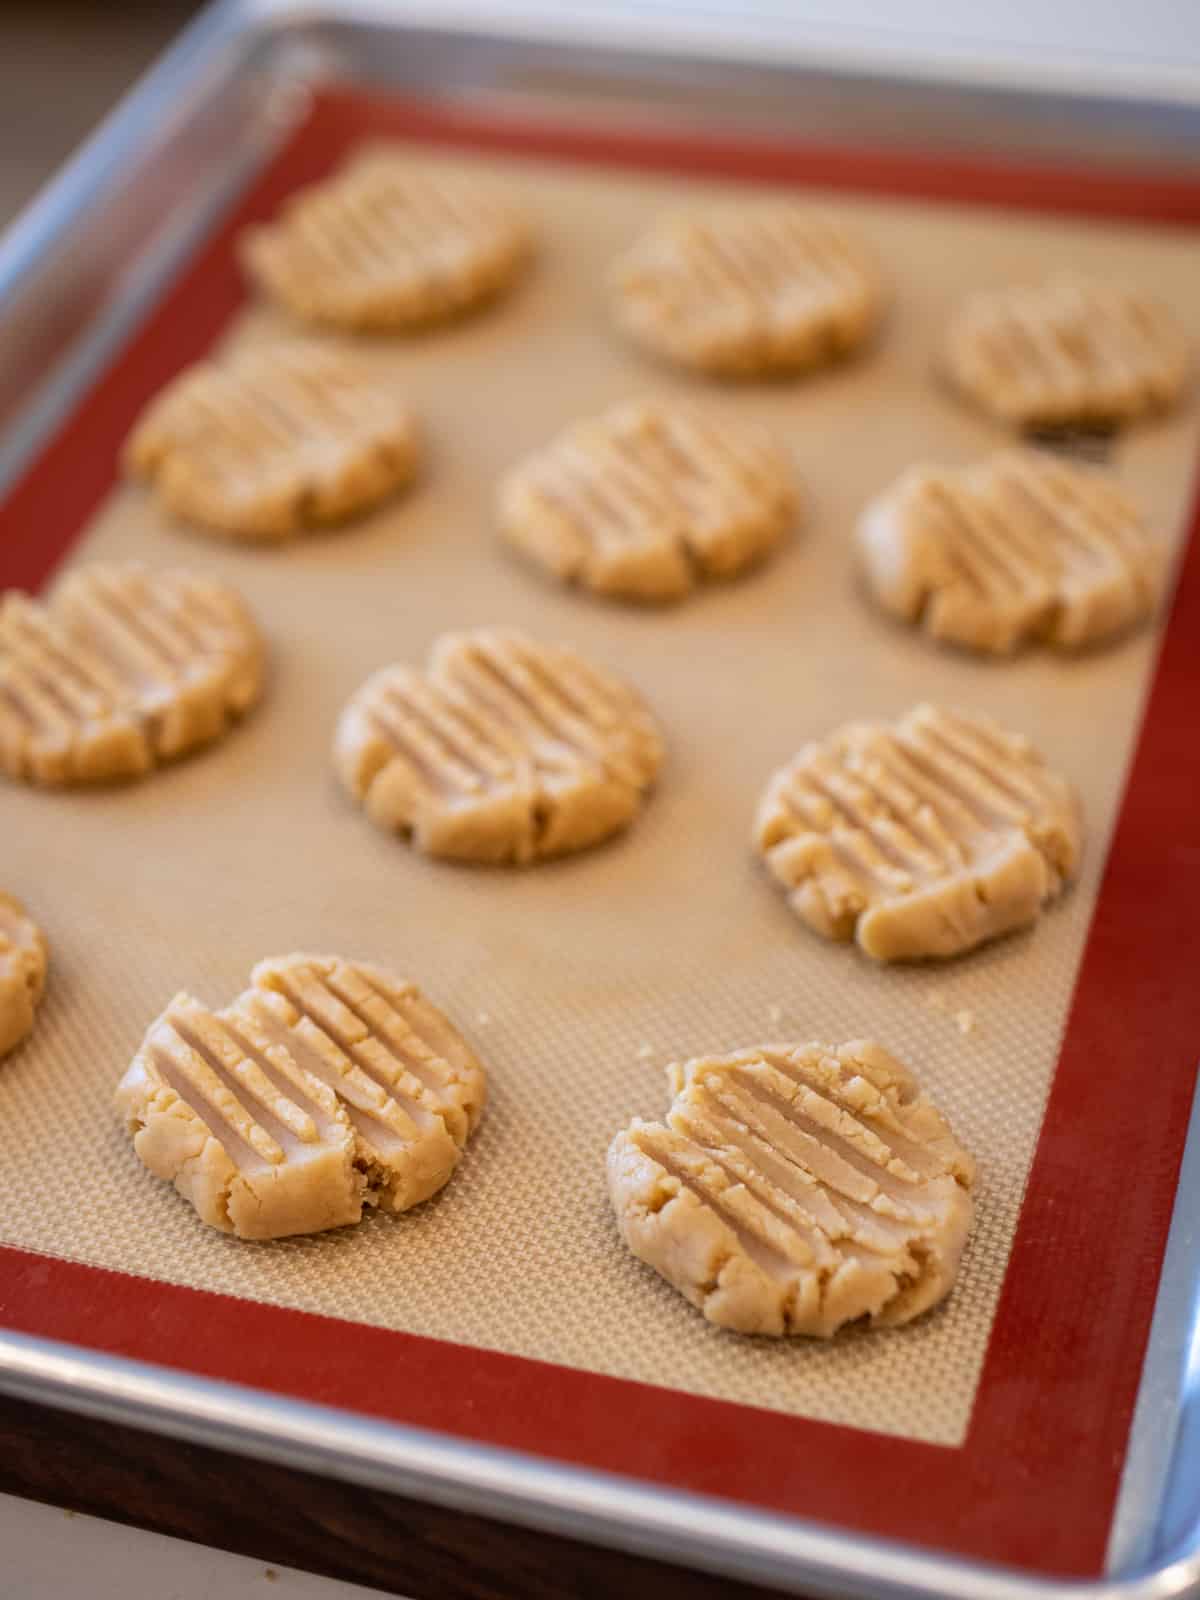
(52, 1553)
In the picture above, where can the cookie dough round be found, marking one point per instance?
(387, 246)
(326, 1086)
(646, 500)
(795, 1188)
(1019, 547)
(274, 441)
(504, 750)
(1066, 351)
(919, 838)
(121, 670)
(748, 291)
(23, 958)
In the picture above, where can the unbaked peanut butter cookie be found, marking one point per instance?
(1067, 351)
(795, 1188)
(647, 500)
(121, 670)
(274, 441)
(388, 246)
(1021, 546)
(23, 958)
(503, 750)
(326, 1086)
(749, 291)
(919, 838)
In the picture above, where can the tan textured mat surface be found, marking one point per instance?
(578, 981)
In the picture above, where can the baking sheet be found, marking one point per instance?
(578, 981)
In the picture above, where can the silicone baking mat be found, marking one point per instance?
(578, 981)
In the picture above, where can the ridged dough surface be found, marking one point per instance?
(792, 1189)
(326, 1085)
(1018, 547)
(273, 442)
(122, 669)
(387, 246)
(1067, 350)
(919, 838)
(24, 956)
(747, 291)
(503, 750)
(648, 499)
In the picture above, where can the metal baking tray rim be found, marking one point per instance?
(734, 1541)
(585, 1503)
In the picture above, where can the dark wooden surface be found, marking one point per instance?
(275, 1514)
(63, 64)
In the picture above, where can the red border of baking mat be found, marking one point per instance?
(1035, 1481)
